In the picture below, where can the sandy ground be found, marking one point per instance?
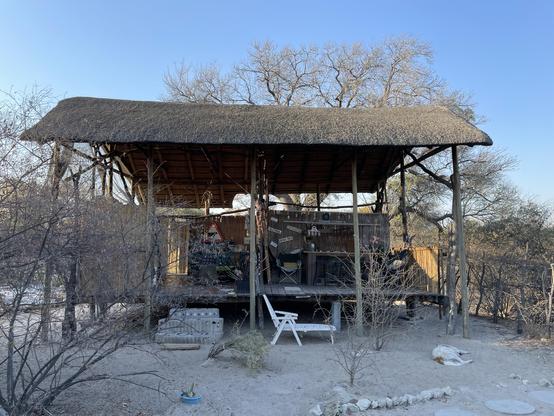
(296, 378)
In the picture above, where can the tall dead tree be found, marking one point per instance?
(59, 163)
(396, 72)
(69, 325)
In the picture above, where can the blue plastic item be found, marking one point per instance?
(190, 400)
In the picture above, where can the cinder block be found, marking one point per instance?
(194, 325)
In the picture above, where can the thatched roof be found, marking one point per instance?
(100, 120)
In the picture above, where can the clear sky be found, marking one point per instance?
(502, 52)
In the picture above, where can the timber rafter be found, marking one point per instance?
(191, 173)
(305, 161)
(421, 158)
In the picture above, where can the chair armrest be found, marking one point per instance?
(287, 313)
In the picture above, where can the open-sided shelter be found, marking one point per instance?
(202, 155)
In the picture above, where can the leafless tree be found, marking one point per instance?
(405, 76)
(345, 75)
(354, 356)
(485, 190)
(204, 85)
(50, 237)
(547, 289)
(284, 75)
(388, 282)
(396, 72)
(510, 257)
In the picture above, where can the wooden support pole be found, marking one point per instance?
(440, 273)
(186, 249)
(207, 203)
(460, 243)
(267, 262)
(336, 314)
(93, 177)
(150, 218)
(405, 235)
(133, 192)
(451, 281)
(380, 199)
(549, 294)
(318, 199)
(103, 180)
(357, 267)
(110, 179)
(261, 236)
(252, 232)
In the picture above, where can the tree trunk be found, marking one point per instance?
(69, 325)
(286, 198)
(58, 166)
(496, 299)
(520, 309)
(481, 290)
(549, 303)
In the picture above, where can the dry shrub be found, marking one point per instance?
(386, 280)
(250, 349)
(354, 356)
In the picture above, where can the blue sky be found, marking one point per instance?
(502, 52)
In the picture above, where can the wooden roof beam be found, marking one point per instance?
(429, 172)
(303, 169)
(331, 172)
(165, 175)
(191, 172)
(277, 168)
(220, 174)
(420, 159)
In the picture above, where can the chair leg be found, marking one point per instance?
(278, 332)
(332, 337)
(295, 335)
(284, 277)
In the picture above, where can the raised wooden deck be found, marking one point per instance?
(228, 294)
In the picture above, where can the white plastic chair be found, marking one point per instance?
(286, 321)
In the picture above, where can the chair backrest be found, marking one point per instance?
(271, 311)
(290, 257)
(289, 261)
